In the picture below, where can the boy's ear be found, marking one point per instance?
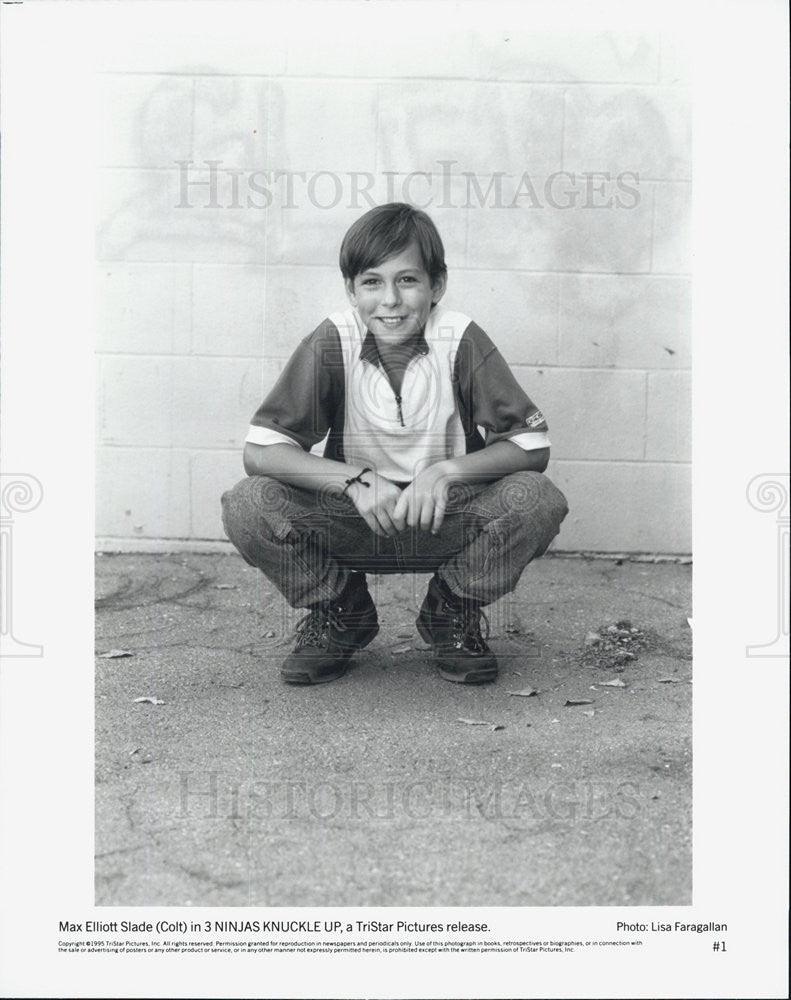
(438, 288)
(349, 282)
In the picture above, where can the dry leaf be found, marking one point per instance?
(149, 699)
(579, 701)
(402, 649)
(524, 693)
(225, 586)
(113, 654)
(674, 680)
(590, 712)
(494, 726)
(617, 683)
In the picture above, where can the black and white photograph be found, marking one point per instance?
(423, 324)
(383, 509)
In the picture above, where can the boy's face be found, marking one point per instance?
(395, 298)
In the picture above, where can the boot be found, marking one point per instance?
(452, 626)
(330, 634)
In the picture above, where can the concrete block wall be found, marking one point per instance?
(557, 167)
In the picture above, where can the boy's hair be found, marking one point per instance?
(384, 232)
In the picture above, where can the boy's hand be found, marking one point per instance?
(376, 503)
(423, 502)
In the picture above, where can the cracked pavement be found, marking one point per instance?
(370, 791)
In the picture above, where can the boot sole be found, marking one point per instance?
(306, 676)
(473, 675)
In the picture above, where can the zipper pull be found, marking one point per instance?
(400, 414)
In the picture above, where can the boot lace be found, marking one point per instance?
(314, 628)
(467, 627)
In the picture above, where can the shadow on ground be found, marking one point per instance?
(371, 791)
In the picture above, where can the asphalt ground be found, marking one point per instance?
(391, 786)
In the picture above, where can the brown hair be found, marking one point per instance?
(384, 232)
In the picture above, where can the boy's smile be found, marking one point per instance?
(394, 298)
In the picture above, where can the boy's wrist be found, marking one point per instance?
(449, 468)
(358, 480)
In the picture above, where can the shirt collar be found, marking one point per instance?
(370, 352)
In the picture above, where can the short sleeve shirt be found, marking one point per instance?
(455, 386)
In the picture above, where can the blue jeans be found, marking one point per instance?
(307, 542)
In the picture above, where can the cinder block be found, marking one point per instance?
(312, 236)
(483, 127)
(669, 417)
(143, 308)
(507, 52)
(146, 121)
(289, 303)
(519, 311)
(672, 221)
(228, 308)
(142, 493)
(327, 126)
(135, 401)
(624, 507)
(591, 414)
(260, 312)
(645, 130)
(625, 321)
(565, 225)
(180, 402)
(183, 214)
(239, 121)
(214, 399)
(211, 474)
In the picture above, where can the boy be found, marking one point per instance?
(399, 386)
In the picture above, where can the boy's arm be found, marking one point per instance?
(290, 464)
(497, 460)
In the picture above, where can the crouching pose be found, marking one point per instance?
(399, 387)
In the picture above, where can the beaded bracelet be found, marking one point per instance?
(357, 479)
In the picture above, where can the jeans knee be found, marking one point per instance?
(255, 506)
(232, 502)
(528, 493)
(553, 500)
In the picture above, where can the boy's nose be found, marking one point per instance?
(390, 294)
